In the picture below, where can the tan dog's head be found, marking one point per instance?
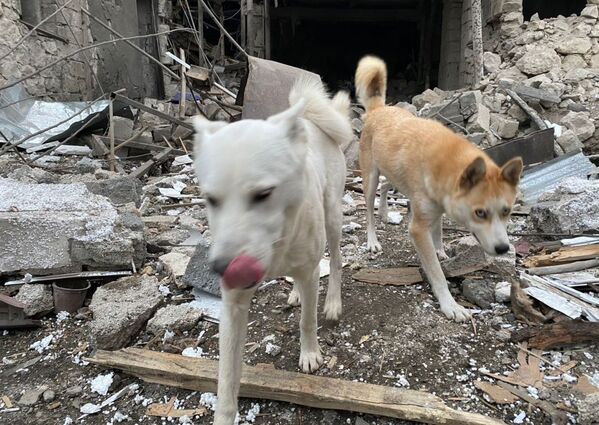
(484, 201)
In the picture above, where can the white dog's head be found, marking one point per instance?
(251, 174)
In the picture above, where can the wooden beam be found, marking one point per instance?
(564, 256)
(562, 334)
(529, 111)
(564, 268)
(200, 374)
(157, 159)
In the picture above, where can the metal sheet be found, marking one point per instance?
(267, 89)
(546, 176)
(534, 148)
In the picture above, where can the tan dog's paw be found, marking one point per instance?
(332, 309)
(442, 255)
(454, 311)
(294, 298)
(310, 361)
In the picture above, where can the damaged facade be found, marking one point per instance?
(109, 199)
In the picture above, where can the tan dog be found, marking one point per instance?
(440, 171)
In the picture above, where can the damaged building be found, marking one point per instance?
(109, 308)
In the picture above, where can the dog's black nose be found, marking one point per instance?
(219, 265)
(502, 248)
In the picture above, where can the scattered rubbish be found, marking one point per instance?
(168, 410)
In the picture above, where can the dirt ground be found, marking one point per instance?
(388, 335)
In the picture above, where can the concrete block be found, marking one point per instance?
(54, 228)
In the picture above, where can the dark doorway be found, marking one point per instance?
(551, 9)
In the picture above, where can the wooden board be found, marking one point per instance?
(564, 255)
(561, 334)
(200, 374)
(395, 276)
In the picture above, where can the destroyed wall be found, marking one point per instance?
(69, 80)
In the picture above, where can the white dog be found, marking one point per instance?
(274, 187)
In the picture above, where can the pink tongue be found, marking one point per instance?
(242, 272)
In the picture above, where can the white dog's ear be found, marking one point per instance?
(204, 127)
(291, 119)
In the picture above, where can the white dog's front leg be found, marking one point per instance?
(232, 335)
(310, 355)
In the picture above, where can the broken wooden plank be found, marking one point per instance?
(149, 147)
(563, 268)
(557, 417)
(394, 276)
(135, 104)
(200, 374)
(145, 167)
(564, 255)
(167, 410)
(497, 394)
(560, 334)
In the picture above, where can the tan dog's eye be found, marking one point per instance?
(480, 213)
(506, 211)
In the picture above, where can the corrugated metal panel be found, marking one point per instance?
(546, 176)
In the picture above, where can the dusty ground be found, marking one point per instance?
(387, 335)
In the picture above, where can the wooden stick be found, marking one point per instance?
(564, 256)
(557, 416)
(183, 96)
(112, 158)
(200, 374)
(129, 140)
(184, 147)
(529, 111)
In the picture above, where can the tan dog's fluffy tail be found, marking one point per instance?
(330, 115)
(371, 82)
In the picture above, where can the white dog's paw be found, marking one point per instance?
(454, 311)
(374, 246)
(310, 361)
(294, 298)
(442, 255)
(332, 309)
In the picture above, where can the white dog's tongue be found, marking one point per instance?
(243, 272)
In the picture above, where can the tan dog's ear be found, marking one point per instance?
(473, 174)
(512, 170)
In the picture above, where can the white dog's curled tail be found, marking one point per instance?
(371, 82)
(330, 115)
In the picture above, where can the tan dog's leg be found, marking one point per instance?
(232, 335)
(437, 233)
(421, 232)
(333, 221)
(384, 202)
(371, 182)
(310, 356)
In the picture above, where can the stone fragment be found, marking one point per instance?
(580, 124)
(573, 45)
(573, 61)
(503, 292)
(480, 122)
(175, 262)
(199, 274)
(479, 292)
(491, 62)
(123, 128)
(31, 397)
(572, 206)
(588, 409)
(506, 128)
(74, 391)
(591, 11)
(49, 396)
(469, 103)
(428, 96)
(569, 141)
(517, 113)
(175, 318)
(120, 190)
(538, 60)
(121, 308)
(468, 256)
(576, 75)
(38, 299)
(595, 62)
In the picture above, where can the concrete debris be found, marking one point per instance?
(468, 256)
(121, 309)
(175, 318)
(199, 274)
(31, 397)
(572, 206)
(176, 263)
(580, 124)
(67, 227)
(479, 292)
(38, 299)
(588, 409)
(538, 60)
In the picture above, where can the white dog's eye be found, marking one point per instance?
(212, 201)
(262, 196)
